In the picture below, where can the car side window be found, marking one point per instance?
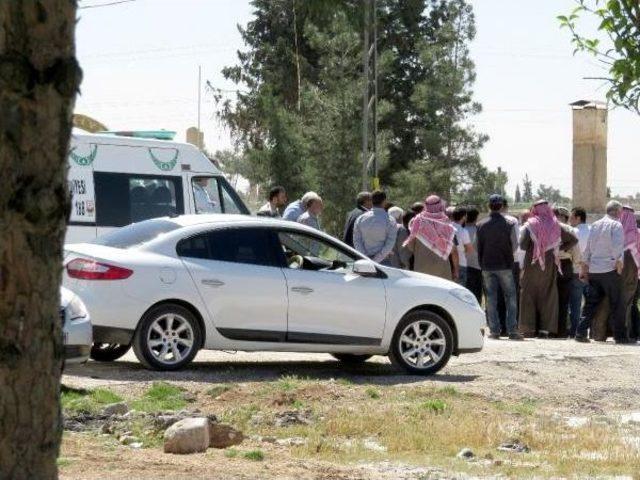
(307, 252)
(206, 195)
(123, 198)
(236, 245)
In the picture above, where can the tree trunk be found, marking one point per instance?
(39, 77)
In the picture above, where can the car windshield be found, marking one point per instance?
(136, 234)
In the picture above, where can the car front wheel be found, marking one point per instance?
(108, 352)
(167, 338)
(422, 343)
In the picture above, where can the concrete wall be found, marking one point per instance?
(590, 158)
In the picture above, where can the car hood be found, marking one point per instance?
(420, 278)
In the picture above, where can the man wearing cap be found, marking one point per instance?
(543, 238)
(497, 240)
(295, 209)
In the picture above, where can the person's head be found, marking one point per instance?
(614, 208)
(306, 197)
(364, 200)
(202, 182)
(407, 217)
(562, 214)
(578, 216)
(505, 205)
(496, 202)
(378, 198)
(278, 196)
(524, 216)
(417, 207)
(459, 215)
(472, 215)
(388, 205)
(396, 213)
(434, 204)
(314, 206)
(449, 212)
(542, 209)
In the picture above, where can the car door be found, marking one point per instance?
(238, 275)
(328, 303)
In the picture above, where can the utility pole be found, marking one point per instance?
(370, 96)
(199, 104)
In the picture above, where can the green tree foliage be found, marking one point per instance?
(296, 118)
(518, 195)
(551, 194)
(527, 186)
(618, 47)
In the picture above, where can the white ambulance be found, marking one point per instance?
(124, 177)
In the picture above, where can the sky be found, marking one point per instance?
(140, 61)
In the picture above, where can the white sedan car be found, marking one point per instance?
(171, 286)
(76, 327)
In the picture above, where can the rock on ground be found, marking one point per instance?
(223, 436)
(190, 435)
(115, 409)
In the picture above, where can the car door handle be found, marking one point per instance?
(212, 282)
(302, 290)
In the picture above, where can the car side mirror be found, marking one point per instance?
(365, 268)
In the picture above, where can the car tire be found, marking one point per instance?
(108, 352)
(168, 337)
(432, 341)
(350, 358)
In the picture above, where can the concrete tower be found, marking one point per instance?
(590, 155)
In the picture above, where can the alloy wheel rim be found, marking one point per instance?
(170, 338)
(422, 344)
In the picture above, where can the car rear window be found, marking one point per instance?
(136, 234)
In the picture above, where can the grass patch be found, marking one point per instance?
(159, 397)
(231, 453)
(434, 405)
(63, 462)
(218, 390)
(345, 382)
(298, 404)
(372, 393)
(288, 383)
(90, 401)
(255, 455)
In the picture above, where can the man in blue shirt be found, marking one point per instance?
(374, 233)
(295, 209)
(603, 261)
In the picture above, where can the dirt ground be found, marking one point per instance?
(562, 378)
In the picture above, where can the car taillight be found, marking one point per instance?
(91, 270)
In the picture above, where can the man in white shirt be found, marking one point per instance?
(578, 221)
(277, 200)
(464, 246)
(204, 203)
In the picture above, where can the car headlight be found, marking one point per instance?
(465, 295)
(76, 309)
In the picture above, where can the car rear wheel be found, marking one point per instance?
(108, 352)
(167, 338)
(422, 343)
(351, 359)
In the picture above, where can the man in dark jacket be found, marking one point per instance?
(497, 240)
(363, 204)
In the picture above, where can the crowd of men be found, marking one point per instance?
(546, 274)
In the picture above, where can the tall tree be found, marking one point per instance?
(297, 119)
(527, 192)
(617, 48)
(444, 98)
(39, 77)
(518, 195)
